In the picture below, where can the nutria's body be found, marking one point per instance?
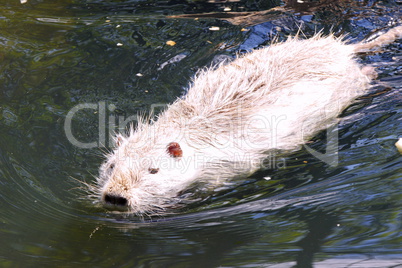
(275, 98)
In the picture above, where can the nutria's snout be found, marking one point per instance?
(116, 201)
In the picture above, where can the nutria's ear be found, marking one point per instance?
(118, 140)
(174, 149)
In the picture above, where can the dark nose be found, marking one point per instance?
(115, 200)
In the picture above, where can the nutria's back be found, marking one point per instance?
(298, 85)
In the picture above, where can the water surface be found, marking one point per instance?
(59, 54)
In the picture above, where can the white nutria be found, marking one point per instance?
(274, 98)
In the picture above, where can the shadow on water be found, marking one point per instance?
(56, 55)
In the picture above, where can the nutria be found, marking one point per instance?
(232, 117)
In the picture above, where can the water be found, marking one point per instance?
(114, 56)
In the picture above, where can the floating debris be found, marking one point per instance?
(214, 28)
(398, 145)
(170, 43)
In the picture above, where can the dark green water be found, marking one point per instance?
(55, 55)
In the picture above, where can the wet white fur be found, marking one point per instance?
(275, 98)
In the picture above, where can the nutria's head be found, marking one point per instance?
(145, 178)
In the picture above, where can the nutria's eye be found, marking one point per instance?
(174, 149)
(153, 170)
